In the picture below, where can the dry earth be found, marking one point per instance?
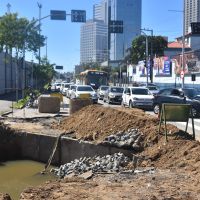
(176, 163)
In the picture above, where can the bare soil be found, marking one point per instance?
(177, 162)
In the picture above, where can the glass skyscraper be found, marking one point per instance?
(129, 11)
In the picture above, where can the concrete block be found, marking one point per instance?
(47, 104)
(77, 104)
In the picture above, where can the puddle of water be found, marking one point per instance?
(15, 176)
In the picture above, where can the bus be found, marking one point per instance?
(95, 78)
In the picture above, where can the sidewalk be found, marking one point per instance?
(30, 113)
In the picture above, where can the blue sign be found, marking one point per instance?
(167, 66)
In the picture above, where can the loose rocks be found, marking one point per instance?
(130, 139)
(108, 163)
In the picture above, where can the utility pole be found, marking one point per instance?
(40, 8)
(183, 43)
(151, 54)
(8, 8)
(146, 54)
(46, 47)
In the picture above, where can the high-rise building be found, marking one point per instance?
(94, 33)
(192, 13)
(129, 11)
(93, 42)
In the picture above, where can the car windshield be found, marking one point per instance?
(117, 90)
(104, 88)
(85, 88)
(152, 88)
(191, 93)
(72, 87)
(67, 86)
(58, 84)
(140, 91)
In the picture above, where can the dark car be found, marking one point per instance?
(113, 94)
(178, 96)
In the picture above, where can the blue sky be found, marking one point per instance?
(64, 37)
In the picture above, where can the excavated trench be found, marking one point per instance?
(22, 150)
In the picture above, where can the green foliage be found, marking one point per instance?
(15, 32)
(21, 103)
(44, 72)
(138, 48)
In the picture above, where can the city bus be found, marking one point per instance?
(95, 78)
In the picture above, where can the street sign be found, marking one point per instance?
(59, 67)
(116, 26)
(195, 26)
(193, 76)
(78, 16)
(58, 15)
(182, 74)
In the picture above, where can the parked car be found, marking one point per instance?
(65, 87)
(178, 96)
(84, 89)
(153, 89)
(69, 91)
(101, 91)
(191, 93)
(56, 87)
(113, 94)
(137, 97)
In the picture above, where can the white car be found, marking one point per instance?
(137, 97)
(56, 87)
(64, 88)
(84, 89)
(70, 90)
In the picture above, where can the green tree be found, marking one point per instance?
(44, 72)
(138, 48)
(16, 32)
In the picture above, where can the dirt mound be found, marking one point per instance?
(176, 153)
(95, 122)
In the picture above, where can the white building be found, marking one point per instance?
(192, 13)
(93, 43)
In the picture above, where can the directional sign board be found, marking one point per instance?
(78, 16)
(116, 26)
(195, 27)
(58, 15)
(59, 67)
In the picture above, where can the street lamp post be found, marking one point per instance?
(146, 54)
(183, 43)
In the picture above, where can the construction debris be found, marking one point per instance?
(130, 139)
(108, 163)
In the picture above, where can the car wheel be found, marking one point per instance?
(104, 100)
(194, 112)
(123, 103)
(109, 102)
(130, 104)
(156, 108)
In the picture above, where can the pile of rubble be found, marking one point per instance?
(108, 163)
(130, 139)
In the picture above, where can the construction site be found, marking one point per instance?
(103, 153)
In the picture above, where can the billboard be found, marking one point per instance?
(191, 60)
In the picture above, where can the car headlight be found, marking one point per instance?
(111, 95)
(135, 98)
(94, 95)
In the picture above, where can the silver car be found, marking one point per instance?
(113, 95)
